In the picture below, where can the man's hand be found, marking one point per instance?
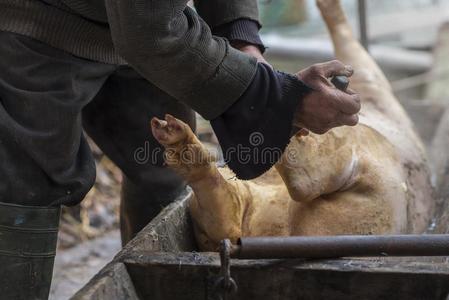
(326, 107)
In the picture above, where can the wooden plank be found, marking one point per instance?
(190, 276)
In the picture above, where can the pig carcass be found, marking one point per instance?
(368, 179)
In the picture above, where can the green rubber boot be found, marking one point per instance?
(28, 237)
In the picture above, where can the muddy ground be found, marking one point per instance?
(74, 267)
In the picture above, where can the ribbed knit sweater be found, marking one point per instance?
(164, 40)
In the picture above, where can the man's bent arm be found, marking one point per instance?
(220, 12)
(236, 20)
(172, 47)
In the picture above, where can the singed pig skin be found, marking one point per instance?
(368, 179)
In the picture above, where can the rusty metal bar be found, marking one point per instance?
(363, 24)
(341, 246)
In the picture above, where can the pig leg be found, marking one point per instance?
(219, 204)
(368, 79)
(347, 47)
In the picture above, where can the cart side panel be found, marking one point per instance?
(171, 230)
(113, 282)
(187, 276)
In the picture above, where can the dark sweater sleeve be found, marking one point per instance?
(256, 129)
(173, 48)
(219, 12)
(241, 30)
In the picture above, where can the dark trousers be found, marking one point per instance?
(47, 98)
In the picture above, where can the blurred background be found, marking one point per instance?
(401, 34)
(410, 41)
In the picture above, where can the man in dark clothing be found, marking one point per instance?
(108, 68)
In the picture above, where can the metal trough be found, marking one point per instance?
(161, 264)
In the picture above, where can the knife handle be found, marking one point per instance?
(340, 82)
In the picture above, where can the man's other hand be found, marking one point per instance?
(326, 107)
